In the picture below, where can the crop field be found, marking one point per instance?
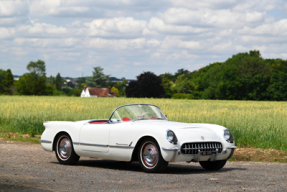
(257, 124)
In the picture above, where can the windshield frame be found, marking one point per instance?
(165, 118)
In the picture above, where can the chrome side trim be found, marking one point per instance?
(45, 141)
(170, 149)
(122, 146)
(93, 144)
(231, 147)
(101, 145)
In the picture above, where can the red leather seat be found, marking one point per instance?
(126, 119)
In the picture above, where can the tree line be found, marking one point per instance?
(244, 76)
(35, 82)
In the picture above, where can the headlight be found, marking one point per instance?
(228, 136)
(170, 136)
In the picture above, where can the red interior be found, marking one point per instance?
(126, 119)
(154, 118)
(98, 121)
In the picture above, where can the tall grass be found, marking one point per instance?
(253, 123)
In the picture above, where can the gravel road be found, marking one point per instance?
(27, 167)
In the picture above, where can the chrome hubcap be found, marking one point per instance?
(150, 155)
(65, 148)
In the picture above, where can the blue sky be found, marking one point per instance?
(127, 37)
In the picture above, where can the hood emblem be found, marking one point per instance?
(202, 137)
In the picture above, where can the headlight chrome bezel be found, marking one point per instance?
(227, 135)
(171, 137)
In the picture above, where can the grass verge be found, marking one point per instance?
(20, 137)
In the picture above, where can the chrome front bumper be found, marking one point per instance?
(201, 155)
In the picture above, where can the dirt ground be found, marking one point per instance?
(27, 167)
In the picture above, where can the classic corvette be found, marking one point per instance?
(139, 132)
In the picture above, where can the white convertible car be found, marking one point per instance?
(139, 132)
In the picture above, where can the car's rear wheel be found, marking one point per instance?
(64, 150)
(150, 157)
(212, 165)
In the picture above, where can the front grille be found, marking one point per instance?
(206, 148)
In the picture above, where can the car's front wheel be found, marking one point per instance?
(150, 157)
(64, 150)
(212, 165)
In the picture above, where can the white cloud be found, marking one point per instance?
(100, 43)
(260, 5)
(159, 26)
(6, 32)
(208, 17)
(222, 47)
(137, 63)
(176, 42)
(13, 8)
(114, 26)
(194, 4)
(79, 68)
(277, 28)
(17, 51)
(131, 36)
(242, 5)
(43, 28)
(46, 43)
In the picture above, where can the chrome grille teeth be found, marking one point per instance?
(193, 148)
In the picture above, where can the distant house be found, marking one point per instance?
(97, 92)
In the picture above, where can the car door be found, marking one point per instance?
(123, 135)
(94, 138)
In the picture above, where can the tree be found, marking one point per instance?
(147, 85)
(58, 82)
(33, 83)
(132, 90)
(278, 84)
(2, 81)
(52, 80)
(6, 82)
(98, 79)
(9, 81)
(115, 90)
(70, 84)
(167, 84)
(37, 68)
(182, 85)
(76, 92)
(181, 72)
(9, 78)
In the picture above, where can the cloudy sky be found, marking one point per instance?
(127, 37)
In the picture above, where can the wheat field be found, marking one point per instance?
(260, 124)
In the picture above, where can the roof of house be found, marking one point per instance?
(101, 92)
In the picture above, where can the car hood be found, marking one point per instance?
(174, 125)
(186, 132)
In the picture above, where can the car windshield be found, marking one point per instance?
(137, 112)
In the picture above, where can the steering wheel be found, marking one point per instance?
(147, 113)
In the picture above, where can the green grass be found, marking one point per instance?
(20, 137)
(258, 124)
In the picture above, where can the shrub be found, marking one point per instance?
(181, 96)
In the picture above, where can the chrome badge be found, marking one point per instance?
(202, 137)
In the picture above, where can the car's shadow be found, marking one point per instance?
(134, 166)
